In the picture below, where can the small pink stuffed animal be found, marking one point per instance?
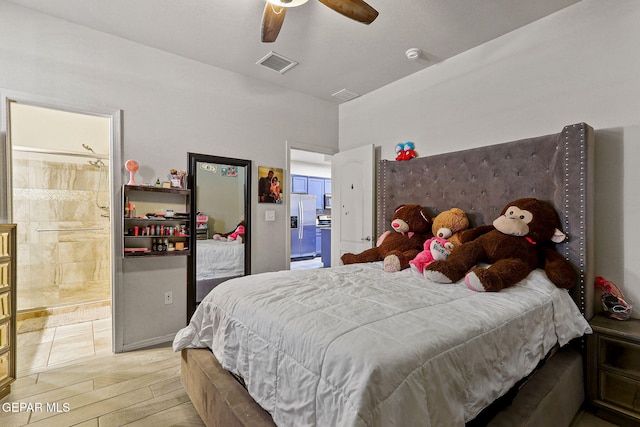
(237, 235)
(435, 249)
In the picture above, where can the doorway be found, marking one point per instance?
(61, 201)
(310, 178)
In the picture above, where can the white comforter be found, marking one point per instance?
(219, 258)
(355, 346)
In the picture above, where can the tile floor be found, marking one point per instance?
(58, 345)
(137, 388)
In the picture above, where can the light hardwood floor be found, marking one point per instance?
(69, 376)
(70, 382)
(139, 388)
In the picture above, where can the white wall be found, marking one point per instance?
(581, 64)
(171, 106)
(221, 198)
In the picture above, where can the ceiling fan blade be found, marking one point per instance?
(354, 9)
(272, 20)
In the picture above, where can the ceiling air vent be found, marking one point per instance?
(277, 62)
(345, 95)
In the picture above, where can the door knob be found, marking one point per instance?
(368, 238)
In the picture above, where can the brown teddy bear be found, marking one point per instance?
(412, 226)
(519, 241)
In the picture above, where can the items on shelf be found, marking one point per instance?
(201, 220)
(202, 226)
(164, 229)
(177, 178)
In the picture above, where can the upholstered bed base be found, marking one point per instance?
(551, 398)
(204, 286)
(218, 397)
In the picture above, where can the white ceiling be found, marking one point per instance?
(333, 52)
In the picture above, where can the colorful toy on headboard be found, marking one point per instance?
(520, 241)
(412, 226)
(405, 151)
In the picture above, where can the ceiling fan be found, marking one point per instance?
(274, 12)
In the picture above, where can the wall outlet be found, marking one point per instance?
(168, 297)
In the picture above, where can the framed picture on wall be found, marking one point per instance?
(270, 184)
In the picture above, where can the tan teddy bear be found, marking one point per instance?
(449, 225)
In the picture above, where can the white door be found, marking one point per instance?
(353, 190)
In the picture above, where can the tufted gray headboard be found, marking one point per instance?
(556, 168)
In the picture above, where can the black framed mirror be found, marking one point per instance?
(220, 220)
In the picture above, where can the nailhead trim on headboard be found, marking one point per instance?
(480, 181)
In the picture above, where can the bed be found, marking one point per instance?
(217, 261)
(346, 345)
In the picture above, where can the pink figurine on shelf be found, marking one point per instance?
(132, 166)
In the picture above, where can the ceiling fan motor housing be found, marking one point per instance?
(275, 11)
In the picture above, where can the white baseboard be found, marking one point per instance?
(148, 343)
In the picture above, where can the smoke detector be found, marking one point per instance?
(413, 53)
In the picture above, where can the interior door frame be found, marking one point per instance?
(293, 145)
(115, 184)
(194, 158)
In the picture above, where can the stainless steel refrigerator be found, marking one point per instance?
(303, 226)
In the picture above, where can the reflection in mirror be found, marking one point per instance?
(220, 211)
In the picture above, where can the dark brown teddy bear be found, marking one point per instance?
(519, 241)
(412, 226)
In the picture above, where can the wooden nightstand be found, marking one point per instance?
(613, 370)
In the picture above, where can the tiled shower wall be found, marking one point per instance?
(60, 268)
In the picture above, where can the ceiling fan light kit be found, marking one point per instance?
(287, 3)
(275, 10)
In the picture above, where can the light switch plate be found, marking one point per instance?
(270, 215)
